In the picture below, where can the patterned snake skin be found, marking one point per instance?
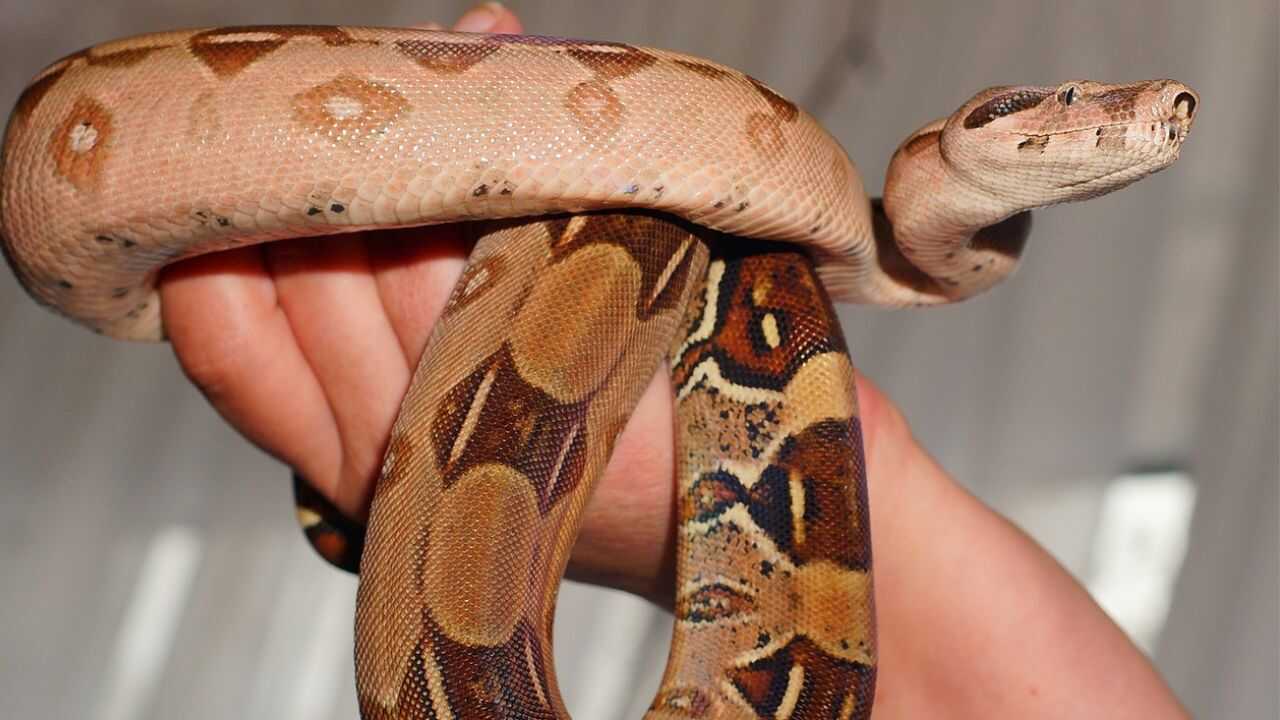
(678, 208)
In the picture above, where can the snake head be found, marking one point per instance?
(1077, 140)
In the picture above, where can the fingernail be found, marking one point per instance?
(480, 18)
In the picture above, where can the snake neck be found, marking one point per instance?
(954, 237)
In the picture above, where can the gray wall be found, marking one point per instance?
(1141, 330)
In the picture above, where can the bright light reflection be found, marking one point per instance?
(1139, 547)
(147, 632)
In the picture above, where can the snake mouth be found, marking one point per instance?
(1140, 148)
(1094, 179)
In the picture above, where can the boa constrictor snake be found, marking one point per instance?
(625, 164)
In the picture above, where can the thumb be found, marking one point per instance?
(489, 17)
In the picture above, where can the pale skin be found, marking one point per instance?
(307, 346)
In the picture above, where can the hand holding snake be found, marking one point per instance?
(440, 636)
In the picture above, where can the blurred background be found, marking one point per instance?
(1117, 398)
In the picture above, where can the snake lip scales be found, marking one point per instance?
(630, 203)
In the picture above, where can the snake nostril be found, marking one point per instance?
(1184, 105)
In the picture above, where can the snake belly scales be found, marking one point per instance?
(632, 205)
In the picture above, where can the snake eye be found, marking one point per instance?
(1068, 95)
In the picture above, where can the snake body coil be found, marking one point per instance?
(653, 179)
